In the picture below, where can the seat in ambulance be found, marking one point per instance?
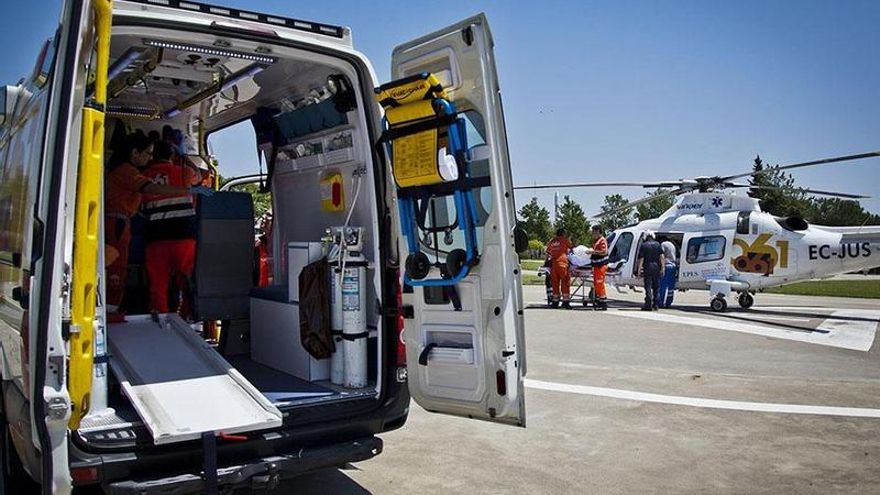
(224, 256)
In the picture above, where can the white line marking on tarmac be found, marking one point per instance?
(758, 317)
(733, 405)
(836, 331)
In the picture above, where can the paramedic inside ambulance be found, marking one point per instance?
(557, 252)
(125, 187)
(171, 226)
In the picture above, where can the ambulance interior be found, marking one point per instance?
(311, 132)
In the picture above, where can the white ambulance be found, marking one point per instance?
(147, 404)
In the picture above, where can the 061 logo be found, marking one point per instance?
(759, 256)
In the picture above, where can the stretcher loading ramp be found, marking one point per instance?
(180, 386)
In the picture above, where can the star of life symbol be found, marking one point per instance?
(716, 201)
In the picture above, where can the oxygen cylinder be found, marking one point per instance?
(354, 320)
(337, 359)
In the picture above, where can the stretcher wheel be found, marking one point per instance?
(455, 261)
(418, 265)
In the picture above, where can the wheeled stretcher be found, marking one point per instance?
(581, 281)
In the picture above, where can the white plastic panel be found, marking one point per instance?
(275, 341)
(179, 385)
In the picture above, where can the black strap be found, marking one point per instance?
(209, 450)
(351, 337)
(444, 188)
(401, 130)
(452, 293)
(335, 332)
(423, 357)
(389, 102)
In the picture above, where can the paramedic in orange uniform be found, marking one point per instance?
(557, 251)
(125, 187)
(171, 228)
(599, 259)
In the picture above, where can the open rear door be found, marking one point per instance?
(465, 349)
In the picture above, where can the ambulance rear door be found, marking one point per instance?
(465, 346)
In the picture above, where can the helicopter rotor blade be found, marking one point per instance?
(602, 184)
(837, 159)
(647, 199)
(802, 189)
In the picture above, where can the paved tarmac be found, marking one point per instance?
(604, 399)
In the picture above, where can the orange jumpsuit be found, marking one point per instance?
(124, 185)
(600, 246)
(171, 244)
(557, 251)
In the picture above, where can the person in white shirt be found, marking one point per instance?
(666, 292)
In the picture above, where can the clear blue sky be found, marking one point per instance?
(633, 90)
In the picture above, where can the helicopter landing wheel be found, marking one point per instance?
(718, 304)
(746, 300)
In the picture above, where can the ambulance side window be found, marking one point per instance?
(703, 249)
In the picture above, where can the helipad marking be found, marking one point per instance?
(835, 331)
(767, 407)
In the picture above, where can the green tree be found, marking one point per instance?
(574, 221)
(779, 195)
(839, 212)
(536, 221)
(654, 209)
(616, 216)
(262, 200)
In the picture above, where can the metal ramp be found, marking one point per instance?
(179, 385)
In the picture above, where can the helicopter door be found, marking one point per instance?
(704, 256)
(465, 349)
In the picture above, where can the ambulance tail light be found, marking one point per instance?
(85, 475)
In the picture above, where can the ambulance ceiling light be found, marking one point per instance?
(131, 111)
(211, 51)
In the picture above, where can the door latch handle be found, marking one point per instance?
(423, 357)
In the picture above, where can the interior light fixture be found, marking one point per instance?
(131, 111)
(211, 51)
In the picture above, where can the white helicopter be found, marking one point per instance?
(727, 244)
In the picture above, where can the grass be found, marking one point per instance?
(531, 265)
(869, 289)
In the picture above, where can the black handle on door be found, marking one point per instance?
(423, 357)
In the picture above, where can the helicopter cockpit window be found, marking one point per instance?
(742, 222)
(703, 249)
(620, 251)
